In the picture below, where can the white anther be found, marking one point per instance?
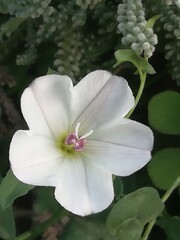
(77, 132)
(86, 135)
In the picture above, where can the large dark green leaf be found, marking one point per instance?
(87, 230)
(144, 205)
(10, 189)
(7, 224)
(130, 229)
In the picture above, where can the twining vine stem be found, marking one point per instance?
(164, 198)
(140, 91)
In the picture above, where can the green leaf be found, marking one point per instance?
(130, 229)
(10, 189)
(143, 205)
(164, 112)
(118, 187)
(86, 230)
(164, 167)
(128, 55)
(7, 224)
(51, 71)
(150, 23)
(171, 227)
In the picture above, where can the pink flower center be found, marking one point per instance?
(77, 142)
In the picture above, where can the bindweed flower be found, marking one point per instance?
(78, 137)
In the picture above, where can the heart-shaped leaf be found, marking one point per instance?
(164, 112)
(164, 167)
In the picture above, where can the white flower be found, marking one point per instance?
(78, 137)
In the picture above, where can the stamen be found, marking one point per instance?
(76, 142)
(86, 135)
(76, 130)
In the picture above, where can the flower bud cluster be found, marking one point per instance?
(168, 2)
(176, 69)
(7, 28)
(30, 8)
(43, 8)
(61, 28)
(171, 20)
(88, 3)
(69, 52)
(177, 2)
(49, 26)
(79, 18)
(173, 54)
(68, 39)
(28, 57)
(172, 26)
(34, 38)
(107, 21)
(30, 54)
(171, 23)
(132, 24)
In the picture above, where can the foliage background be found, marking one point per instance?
(75, 37)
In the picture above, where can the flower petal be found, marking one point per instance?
(103, 98)
(119, 160)
(47, 104)
(33, 114)
(83, 188)
(121, 149)
(34, 158)
(127, 133)
(87, 89)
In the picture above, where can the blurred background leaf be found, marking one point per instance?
(171, 226)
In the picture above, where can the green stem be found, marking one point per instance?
(140, 91)
(148, 230)
(171, 189)
(164, 198)
(37, 231)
